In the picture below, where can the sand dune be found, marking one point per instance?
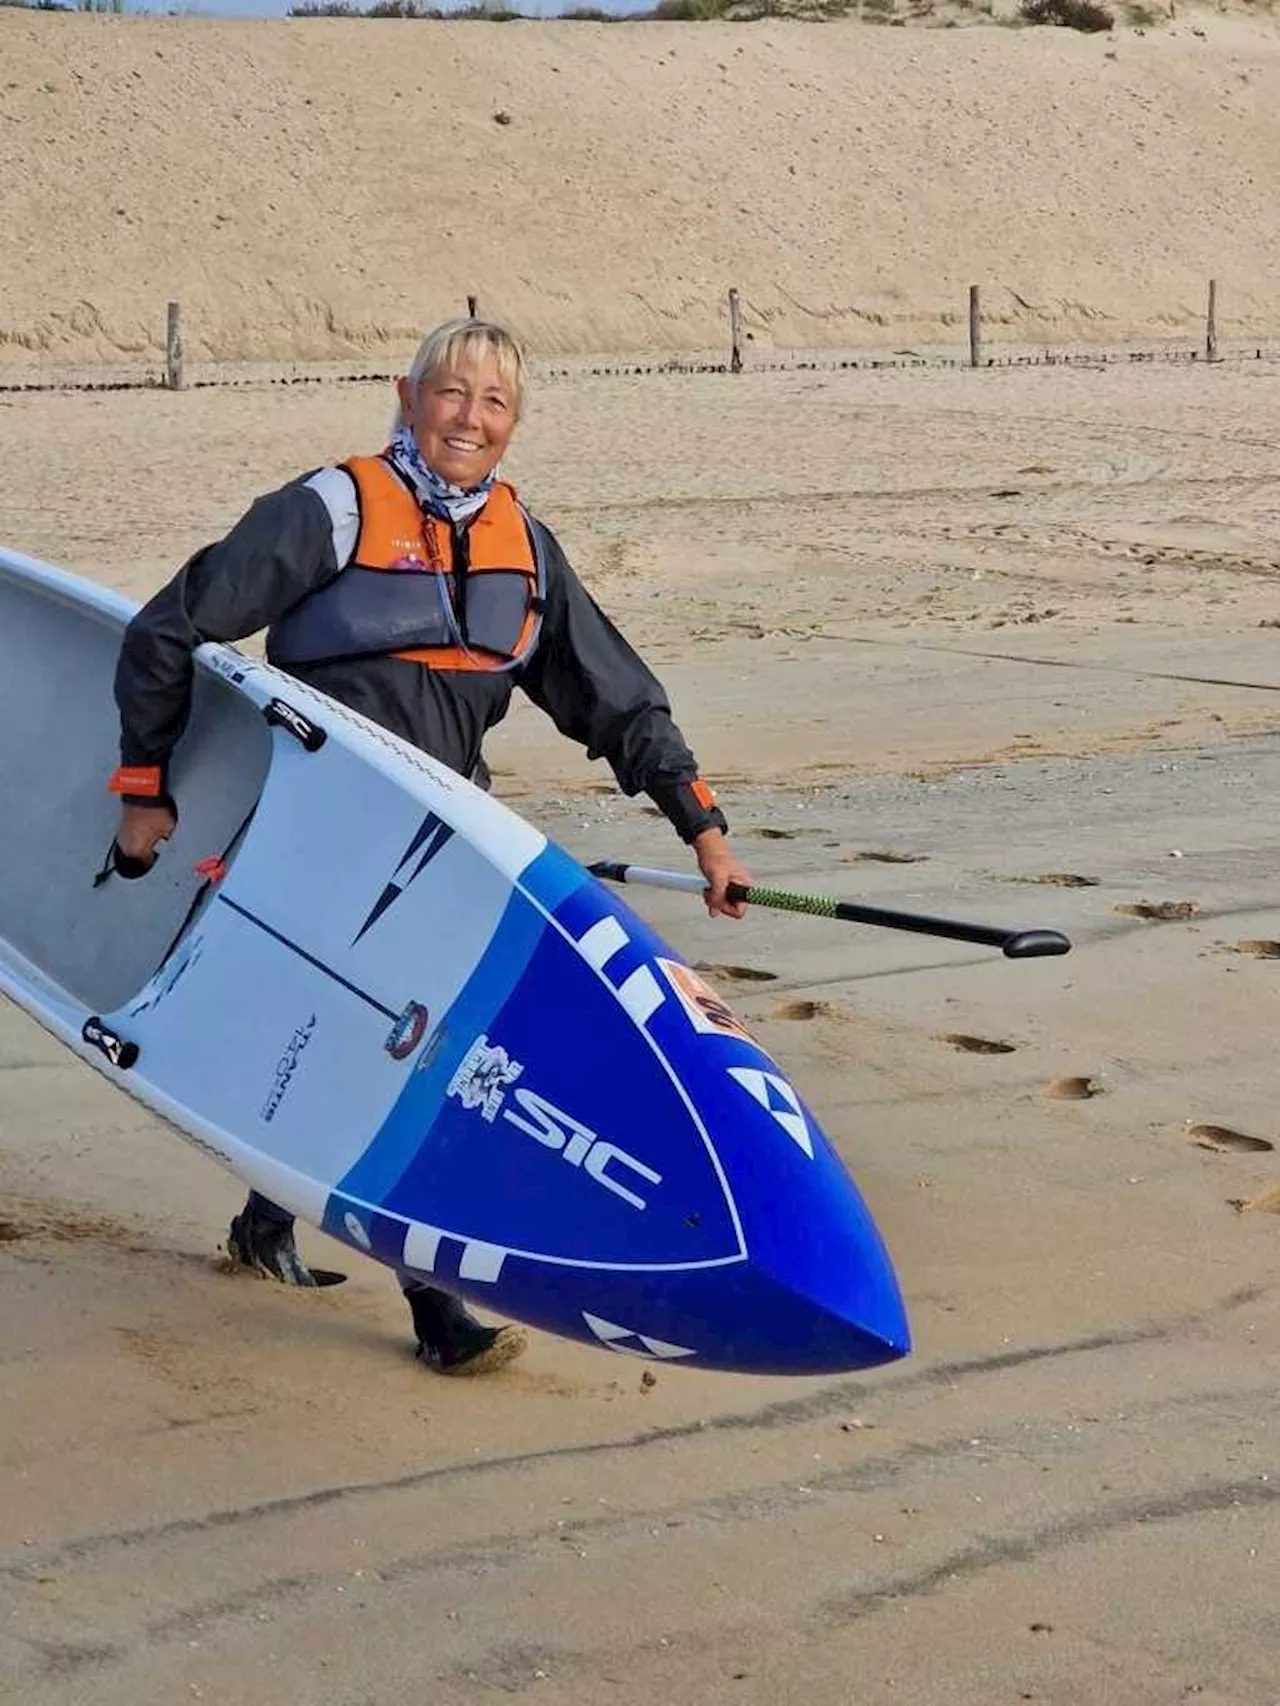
(326, 187)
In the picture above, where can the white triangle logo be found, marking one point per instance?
(611, 1334)
(768, 1089)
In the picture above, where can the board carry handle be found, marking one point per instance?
(119, 1052)
(1014, 944)
(122, 864)
(281, 714)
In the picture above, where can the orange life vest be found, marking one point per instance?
(467, 600)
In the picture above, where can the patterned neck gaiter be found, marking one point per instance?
(437, 496)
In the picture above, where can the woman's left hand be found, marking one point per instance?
(720, 866)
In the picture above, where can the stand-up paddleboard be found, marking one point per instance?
(404, 1014)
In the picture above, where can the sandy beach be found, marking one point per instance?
(993, 644)
(1002, 644)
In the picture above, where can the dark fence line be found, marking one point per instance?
(1049, 358)
(677, 369)
(159, 382)
(174, 377)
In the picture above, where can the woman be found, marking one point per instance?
(415, 588)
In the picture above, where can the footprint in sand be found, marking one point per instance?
(1224, 1139)
(47, 1225)
(1164, 911)
(977, 1045)
(1260, 950)
(1059, 880)
(1267, 1203)
(803, 1010)
(1072, 1089)
(735, 974)
(884, 856)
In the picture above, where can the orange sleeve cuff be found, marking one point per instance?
(144, 779)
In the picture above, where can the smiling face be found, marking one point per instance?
(462, 415)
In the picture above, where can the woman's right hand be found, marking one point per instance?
(142, 829)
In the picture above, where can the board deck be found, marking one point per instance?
(408, 1017)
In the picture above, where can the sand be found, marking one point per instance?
(1000, 645)
(320, 188)
(1003, 629)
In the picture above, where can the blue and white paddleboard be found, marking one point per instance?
(407, 1016)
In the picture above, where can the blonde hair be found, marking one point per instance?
(462, 343)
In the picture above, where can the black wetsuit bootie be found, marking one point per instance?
(452, 1341)
(261, 1237)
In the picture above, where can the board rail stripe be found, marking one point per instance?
(481, 1261)
(602, 941)
(640, 995)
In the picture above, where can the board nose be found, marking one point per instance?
(849, 1317)
(749, 1321)
(830, 1299)
(877, 1321)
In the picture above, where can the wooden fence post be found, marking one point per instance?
(174, 377)
(735, 333)
(975, 328)
(1211, 323)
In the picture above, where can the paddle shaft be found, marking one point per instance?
(1014, 944)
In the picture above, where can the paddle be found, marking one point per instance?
(1014, 944)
